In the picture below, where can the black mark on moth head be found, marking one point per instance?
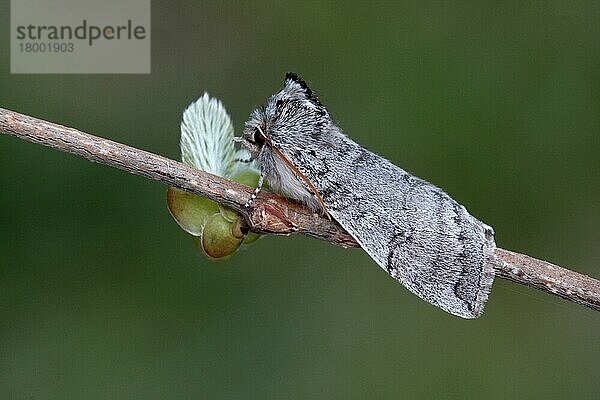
(257, 137)
(296, 109)
(292, 79)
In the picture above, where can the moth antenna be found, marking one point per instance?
(296, 171)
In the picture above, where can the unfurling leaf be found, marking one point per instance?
(207, 144)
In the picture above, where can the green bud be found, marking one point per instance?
(246, 177)
(239, 229)
(189, 210)
(198, 243)
(218, 240)
(251, 237)
(227, 213)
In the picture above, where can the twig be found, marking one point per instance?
(542, 275)
(272, 213)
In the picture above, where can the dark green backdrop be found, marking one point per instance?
(103, 296)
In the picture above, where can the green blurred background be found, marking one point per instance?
(103, 296)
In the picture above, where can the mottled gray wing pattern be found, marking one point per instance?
(412, 229)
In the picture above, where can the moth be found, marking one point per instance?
(417, 233)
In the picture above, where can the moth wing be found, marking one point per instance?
(412, 229)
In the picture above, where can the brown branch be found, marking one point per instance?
(272, 213)
(550, 278)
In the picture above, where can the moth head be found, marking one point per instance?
(253, 138)
(291, 115)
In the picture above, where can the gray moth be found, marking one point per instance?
(411, 228)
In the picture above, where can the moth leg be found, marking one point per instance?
(259, 185)
(244, 160)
